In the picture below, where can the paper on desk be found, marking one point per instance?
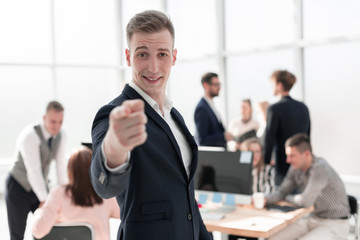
(254, 223)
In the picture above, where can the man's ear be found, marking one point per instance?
(127, 53)
(174, 54)
(280, 86)
(307, 153)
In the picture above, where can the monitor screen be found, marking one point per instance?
(226, 172)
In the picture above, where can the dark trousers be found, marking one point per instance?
(18, 203)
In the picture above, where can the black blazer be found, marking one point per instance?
(209, 131)
(284, 119)
(155, 196)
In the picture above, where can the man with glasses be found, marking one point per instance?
(209, 129)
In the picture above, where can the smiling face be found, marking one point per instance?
(151, 56)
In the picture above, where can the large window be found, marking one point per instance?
(258, 23)
(25, 31)
(331, 19)
(56, 49)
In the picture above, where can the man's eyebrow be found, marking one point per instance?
(146, 48)
(141, 48)
(164, 50)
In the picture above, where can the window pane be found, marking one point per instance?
(184, 86)
(195, 34)
(258, 23)
(331, 18)
(24, 93)
(83, 92)
(249, 77)
(86, 32)
(332, 93)
(25, 31)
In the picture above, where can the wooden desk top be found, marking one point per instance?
(250, 222)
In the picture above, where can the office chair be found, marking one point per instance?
(354, 212)
(70, 231)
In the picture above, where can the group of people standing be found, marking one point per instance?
(282, 120)
(145, 156)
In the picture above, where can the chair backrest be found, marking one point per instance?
(353, 204)
(70, 231)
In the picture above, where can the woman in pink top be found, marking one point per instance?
(76, 201)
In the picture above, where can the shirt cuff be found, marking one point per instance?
(119, 169)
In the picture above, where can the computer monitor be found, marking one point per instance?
(87, 144)
(224, 172)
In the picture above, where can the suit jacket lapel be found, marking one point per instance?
(194, 149)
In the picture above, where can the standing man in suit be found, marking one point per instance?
(143, 152)
(284, 119)
(27, 184)
(209, 129)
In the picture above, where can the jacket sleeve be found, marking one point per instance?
(46, 216)
(106, 184)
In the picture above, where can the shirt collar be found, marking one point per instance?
(167, 103)
(46, 134)
(208, 100)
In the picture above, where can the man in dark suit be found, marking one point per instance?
(209, 129)
(284, 119)
(143, 152)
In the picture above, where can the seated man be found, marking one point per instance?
(320, 186)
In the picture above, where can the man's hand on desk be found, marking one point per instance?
(126, 131)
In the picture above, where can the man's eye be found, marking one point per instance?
(163, 54)
(142, 55)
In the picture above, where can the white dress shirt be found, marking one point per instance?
(28, 144)
(179, 136)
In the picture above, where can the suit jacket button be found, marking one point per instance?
(189, 216)
(102, 178)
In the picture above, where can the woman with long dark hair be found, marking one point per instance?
(76, 201)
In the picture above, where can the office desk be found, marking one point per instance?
(250, 222)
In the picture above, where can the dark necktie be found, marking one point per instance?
(49, 142)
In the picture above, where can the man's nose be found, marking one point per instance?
(153, 65)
